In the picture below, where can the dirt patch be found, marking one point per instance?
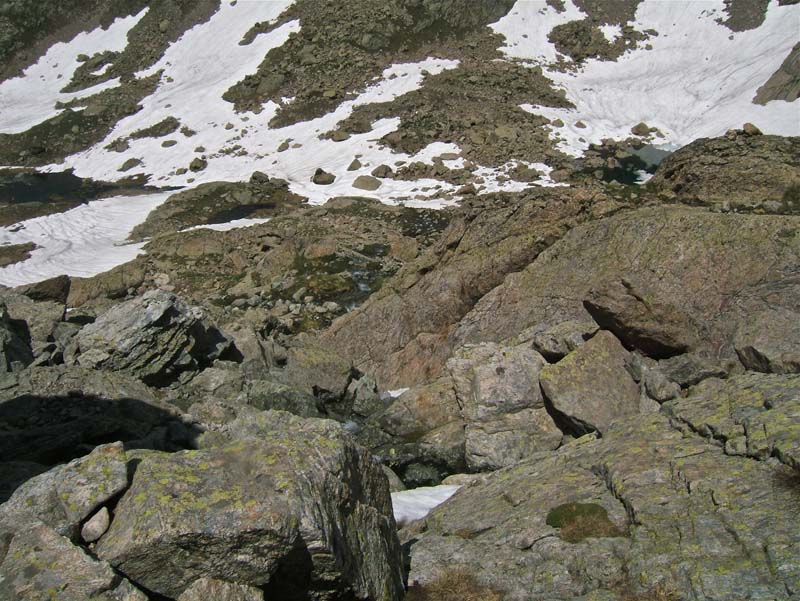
(15, 253)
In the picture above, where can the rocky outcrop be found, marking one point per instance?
(698, 277)
(644, 509)
(255, 507)
(751, 415)
(402, 333)
(737, 172)
(155, 337)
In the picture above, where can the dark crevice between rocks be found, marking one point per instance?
(55, 430)
(601, 471)
(294, 579)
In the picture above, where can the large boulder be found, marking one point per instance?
(155, 337)
(272, 501)
(656, 328)
(591, 387)
(738, 171)
(65, 496)
(501, 404)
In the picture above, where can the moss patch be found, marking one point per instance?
(579, 521)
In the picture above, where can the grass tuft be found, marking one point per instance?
(455, 585)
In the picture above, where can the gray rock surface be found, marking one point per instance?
(66, 495)
(591, 388)
(206, 589)
(695, 519)
(501, 404)
(37, 563)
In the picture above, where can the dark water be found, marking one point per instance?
(21, 188)
(647, 159)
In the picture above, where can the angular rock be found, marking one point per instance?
(691, 368)
(657, 329)
(323, 178)
(591, 387)
(501, 404)
(155, 337)
(54, 289)
(41, 317)
(255, 499)
(557, 341)
(206, 589)
(421, 410)
(317, 371)
(197, 164)
(15, 349)
(66, 495)
(770, 341)
(382, 171)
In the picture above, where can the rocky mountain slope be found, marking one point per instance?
(433, 300)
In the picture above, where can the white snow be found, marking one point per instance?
(83, 241)
(393, 394)
(698, 80)
(31, 98)
(415, 504)
(611, 32)
(230, 225)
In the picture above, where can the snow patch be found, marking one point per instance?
(415, 504)
(82, 242)
(611, 32)
(230, 225)
(31, 98)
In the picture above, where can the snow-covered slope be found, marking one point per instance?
(697, 79)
